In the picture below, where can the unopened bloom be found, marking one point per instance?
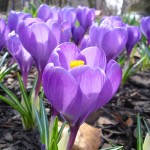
(111, 38)
(134, 35)
(45, 13)
(78, 83)
(145, 27)
(39, 41)
(14, 18)
(21, 55)
(3, 33)
(85, 16)
(61, 31)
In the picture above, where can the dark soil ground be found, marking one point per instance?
(117, 119)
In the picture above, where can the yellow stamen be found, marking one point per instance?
(76, 63)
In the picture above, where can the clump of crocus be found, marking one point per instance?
(39, 41)
(145, 28)
(21, 55)
(134, 35)
(76, 83)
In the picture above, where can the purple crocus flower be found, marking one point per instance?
(110, 38)
(68, 14)
(77, 34)
(14, 19)
(78, 83)
(85, 16)
(145, 27)
(21, 55)
(134, 35)
(39, 41)
(45, 13)
(61, 31)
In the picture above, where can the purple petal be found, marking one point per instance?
(61, 89)
(91, 82)
(67, 52)
(44, 12)
(94, 57)
(113, 80)
(114, 42)
(39, 41)
(14, 19)
(134, 36)
(56, 29)
(69, 14)
(145, 27)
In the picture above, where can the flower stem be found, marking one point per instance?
(25, 78)
(38, 84)
(72, 137)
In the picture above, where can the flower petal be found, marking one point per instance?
(61, 89)
(91, 82)
(94, 57)
(114, 41)
(67, 52)
(113, 80)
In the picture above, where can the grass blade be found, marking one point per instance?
(12, 104)
(7, 71)
(61, 130)
(25, 96)
(12, 96)
(39, 123)
(3, 59)
(45, 125)
(139, 133)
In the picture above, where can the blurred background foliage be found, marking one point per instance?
(108, 7)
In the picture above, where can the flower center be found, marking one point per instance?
(76, 63)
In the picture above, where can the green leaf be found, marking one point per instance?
(3, 59)
(62, 145)
(7, 71)
(12, 96)
(139, 133)
(26, 99)
(53, 145)
(54, 134)
(45, 124)
(61, 130)
(39, 123)
(146, 145)
(19, 108)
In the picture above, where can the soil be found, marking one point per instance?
(117, 119)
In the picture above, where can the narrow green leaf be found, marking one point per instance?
(25, 96)
(3, 59)
(61, 130)
(53, 145)
(7, 71)
(54, 134)
(39, 123)
(12, 96)
(45, 124)
(139, 133)
(146, 145)
(19, 108)
(146, 126)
